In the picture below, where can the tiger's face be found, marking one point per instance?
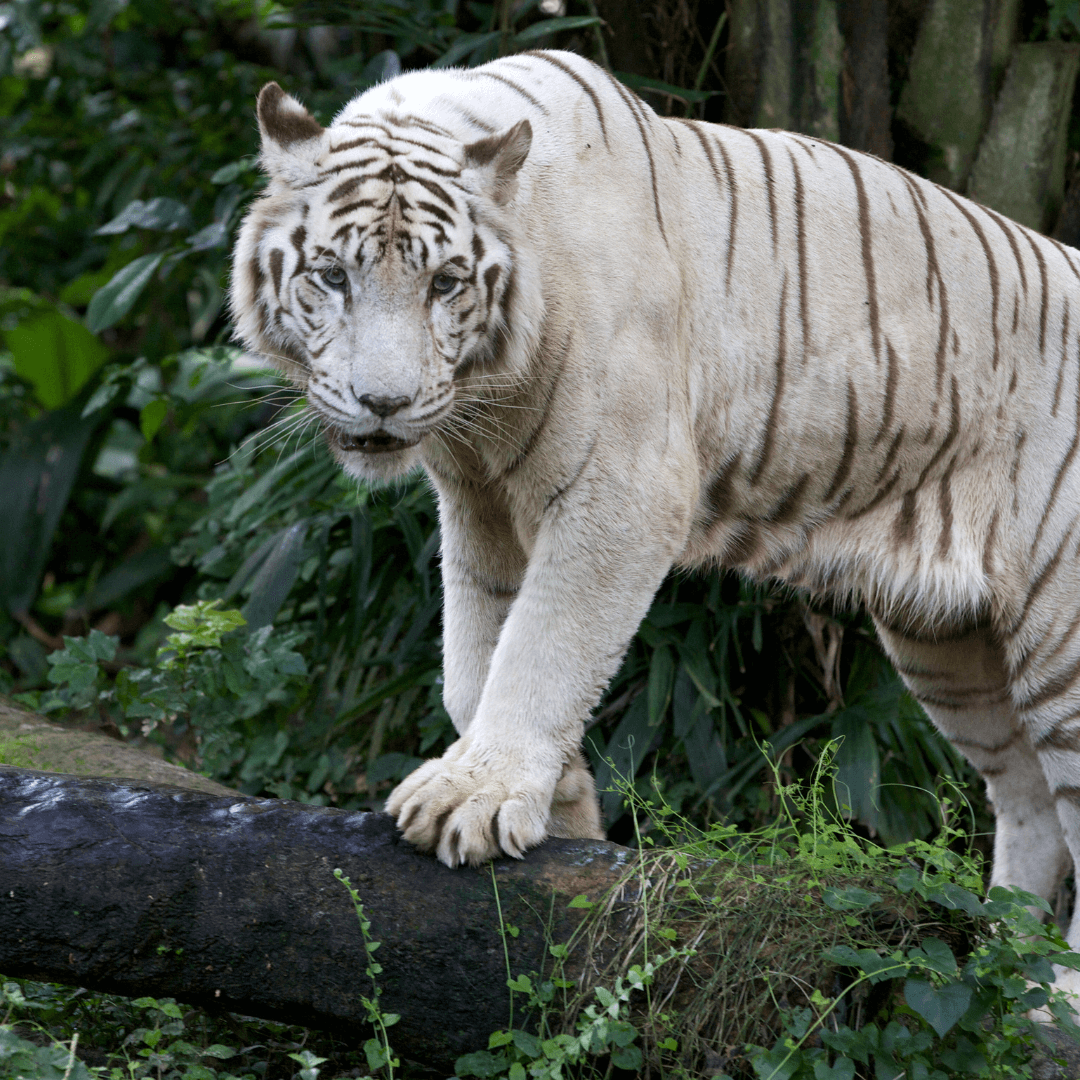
(374, 271)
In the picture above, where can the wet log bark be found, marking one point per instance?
(230, 903)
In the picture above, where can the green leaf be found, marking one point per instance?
(842, 1069)
(940, 1007)
(161, 214)
(526, 1043)
(553, 26)
(217, 1050)
(228, 173)
(152, 416)
(627, 1057)
(849, 899)
(36, 475)
(214, 235)
(582, 901)
(480, 1063)
(661, 678)
(938, 955)
(112, 302)
(465, 44)
(56, 355)
(271, 585)
(643, 82)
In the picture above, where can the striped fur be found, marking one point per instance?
(671, 343)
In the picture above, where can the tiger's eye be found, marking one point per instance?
(443, 283)
(334, 276)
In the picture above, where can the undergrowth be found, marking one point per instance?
(797, 951)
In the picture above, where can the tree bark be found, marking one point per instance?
(865, 114)
(957, 66)
(231, 903)
(1020, 169)
(760, 64)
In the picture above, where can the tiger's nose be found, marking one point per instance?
(384, 406)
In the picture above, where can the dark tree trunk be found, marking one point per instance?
(231, 903)
(865, 112)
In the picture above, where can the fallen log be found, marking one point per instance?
(231, 903)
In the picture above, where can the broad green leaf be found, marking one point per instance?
(643, 82)
(112, 302)
(705, 752)
(553, 26)
(56, 355)
(526, 1043)
(36, 474)
(217, 1050)
(161, 214)
(626, 1057)
(940, 1007)
(464, 45)
(842, 1069)
(228, 173)
(152, 417)
(858, 766)
(661, 677)
(939, 955)
(849, 899)
(271, 585)
(214, 235)
(480, 1063)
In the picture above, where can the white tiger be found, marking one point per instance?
(618, 343)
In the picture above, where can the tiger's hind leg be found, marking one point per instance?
(963, 686)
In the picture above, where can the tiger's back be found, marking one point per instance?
(618, 342)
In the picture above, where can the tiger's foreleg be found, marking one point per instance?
(482, 570)
(517, 775)
(962, 685)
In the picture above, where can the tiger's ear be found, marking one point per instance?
(292, 139)
(500, 157)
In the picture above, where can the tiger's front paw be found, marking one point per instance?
(467, 811)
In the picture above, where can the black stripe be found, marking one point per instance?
(800, 237)
(867, 247)
(1063, 468)
(567, 70)
(535, 102)
(1044, 302)
(991, 266)
(770, 184)
(851, 438)
(778, 390)
(625, 95)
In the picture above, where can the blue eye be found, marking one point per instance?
(443, 283)
(334, 276)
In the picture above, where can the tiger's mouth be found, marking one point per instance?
(377, 442)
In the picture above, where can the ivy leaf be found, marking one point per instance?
(113, 301)
(626, 1057)
(940, 1007)
(938, 956)
(849, 899)
(842, 1069)
(480, 1063)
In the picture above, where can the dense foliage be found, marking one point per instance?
(181, 562)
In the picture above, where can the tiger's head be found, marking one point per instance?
(377, 268)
